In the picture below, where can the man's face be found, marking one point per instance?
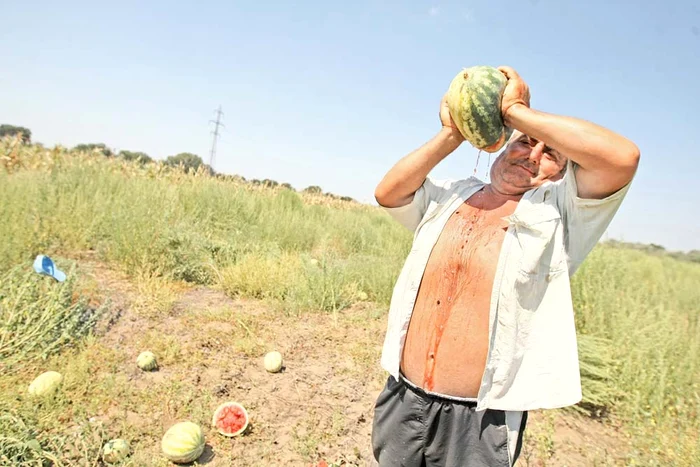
(524, 164)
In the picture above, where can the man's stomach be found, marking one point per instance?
(446, 348)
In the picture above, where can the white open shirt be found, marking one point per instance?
(532, 360)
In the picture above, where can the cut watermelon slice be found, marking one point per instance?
(230, 419)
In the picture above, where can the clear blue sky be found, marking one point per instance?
(334, 93)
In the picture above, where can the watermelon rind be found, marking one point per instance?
(183, 442)
(474, 100)
(225, 406)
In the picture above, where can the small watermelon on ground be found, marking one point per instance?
(147, 361)
(230, 419)
(115, 451)
(45, 384)
(183, 442)
(474, 99)
(273, 362)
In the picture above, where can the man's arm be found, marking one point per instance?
(408, 174)
(606, 160)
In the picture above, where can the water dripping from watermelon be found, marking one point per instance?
(443, 308)
(488, 167)
(477, 162)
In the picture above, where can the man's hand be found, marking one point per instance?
(448, 124)
(516, 93)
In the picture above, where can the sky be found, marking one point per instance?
(335, 93)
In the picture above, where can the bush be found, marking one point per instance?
(10, 130)
(140, 157)
(99, 148)
(190, 162)
(39, 317)
(313, 189)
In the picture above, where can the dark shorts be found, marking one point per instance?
(414, 428)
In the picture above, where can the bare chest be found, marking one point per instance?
(447, 339)
(470, 240)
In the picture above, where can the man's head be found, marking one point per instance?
(524, 164)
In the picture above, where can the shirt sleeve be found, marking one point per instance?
(412, 213)
(585, 220)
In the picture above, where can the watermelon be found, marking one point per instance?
(147, 361)
(115, 451)
(273, 362)
(183, 442)
(45, 384)
(230, 419)
(474, 99)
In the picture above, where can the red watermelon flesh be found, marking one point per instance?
(230, 419)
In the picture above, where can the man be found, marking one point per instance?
(481, 326)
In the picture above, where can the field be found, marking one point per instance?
(211, 273)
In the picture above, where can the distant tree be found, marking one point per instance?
(694, 256)
(269, 183)
(95, 147)
(347, 198)
(209, 169)
(141, 157)
(287, 186)
(313, 189)
(230, 177)
(11, 130)
(190, 161)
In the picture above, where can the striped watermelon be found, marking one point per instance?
(474, 100)
(183, 442)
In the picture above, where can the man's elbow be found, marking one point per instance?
(384, 198)
(622, 165)
(628, 158)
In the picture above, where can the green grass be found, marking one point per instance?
(648, 308)
(257, 243)
(637, 314)
(40, 317)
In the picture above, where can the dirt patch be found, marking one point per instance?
(319, 407)
(199, 298)
(562, 438)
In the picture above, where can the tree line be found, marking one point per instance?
(190, 162)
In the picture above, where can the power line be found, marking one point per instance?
(217, 123)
